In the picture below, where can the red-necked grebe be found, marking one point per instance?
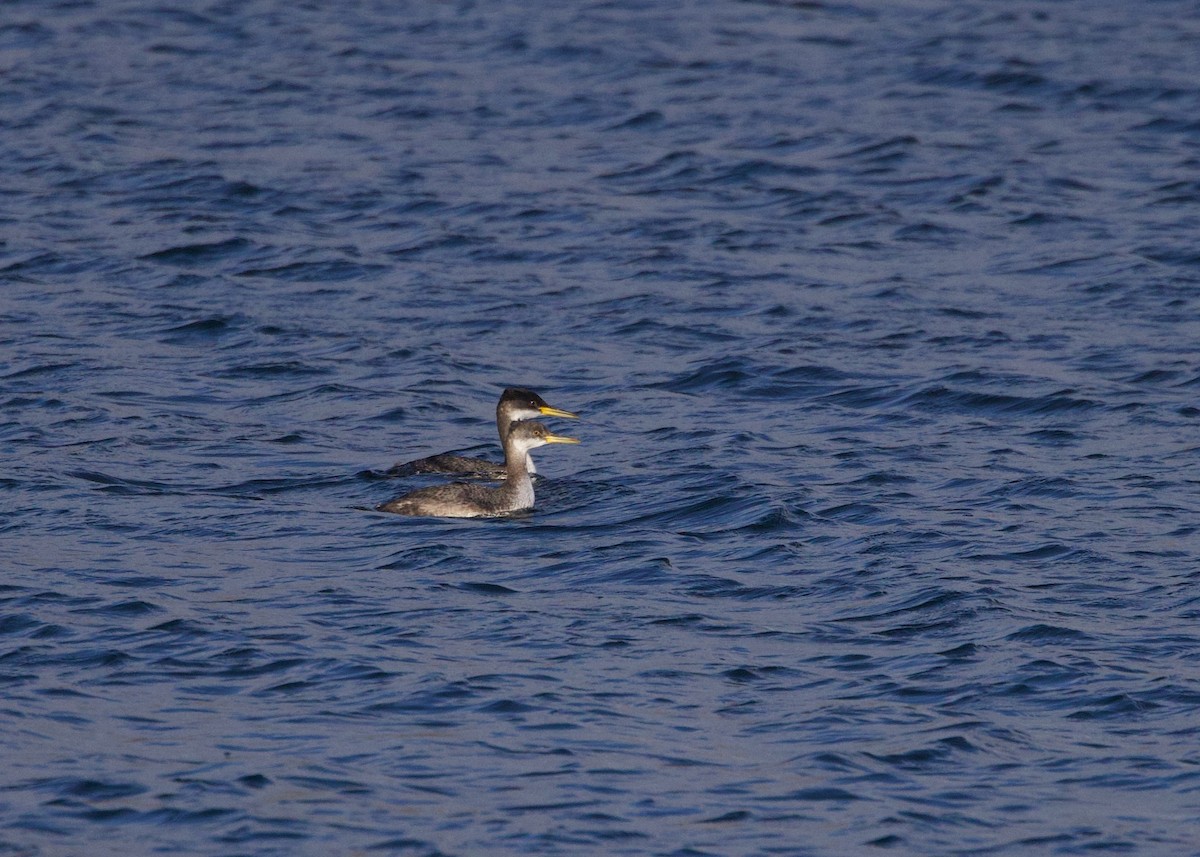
(465, 500)
(515, 404)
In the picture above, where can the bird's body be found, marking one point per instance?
(515, 405)
(467, 500)
(459, 465)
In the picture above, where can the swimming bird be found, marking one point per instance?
(467, 500)
(515, 404)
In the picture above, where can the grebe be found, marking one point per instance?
(465, 500)
(515, 404)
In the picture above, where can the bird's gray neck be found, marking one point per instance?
(518, 485)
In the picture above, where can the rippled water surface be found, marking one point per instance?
(883, 322)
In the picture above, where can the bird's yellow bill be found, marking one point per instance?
(557, 412)
(558, 438)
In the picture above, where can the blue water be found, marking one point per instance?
(883, 321)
